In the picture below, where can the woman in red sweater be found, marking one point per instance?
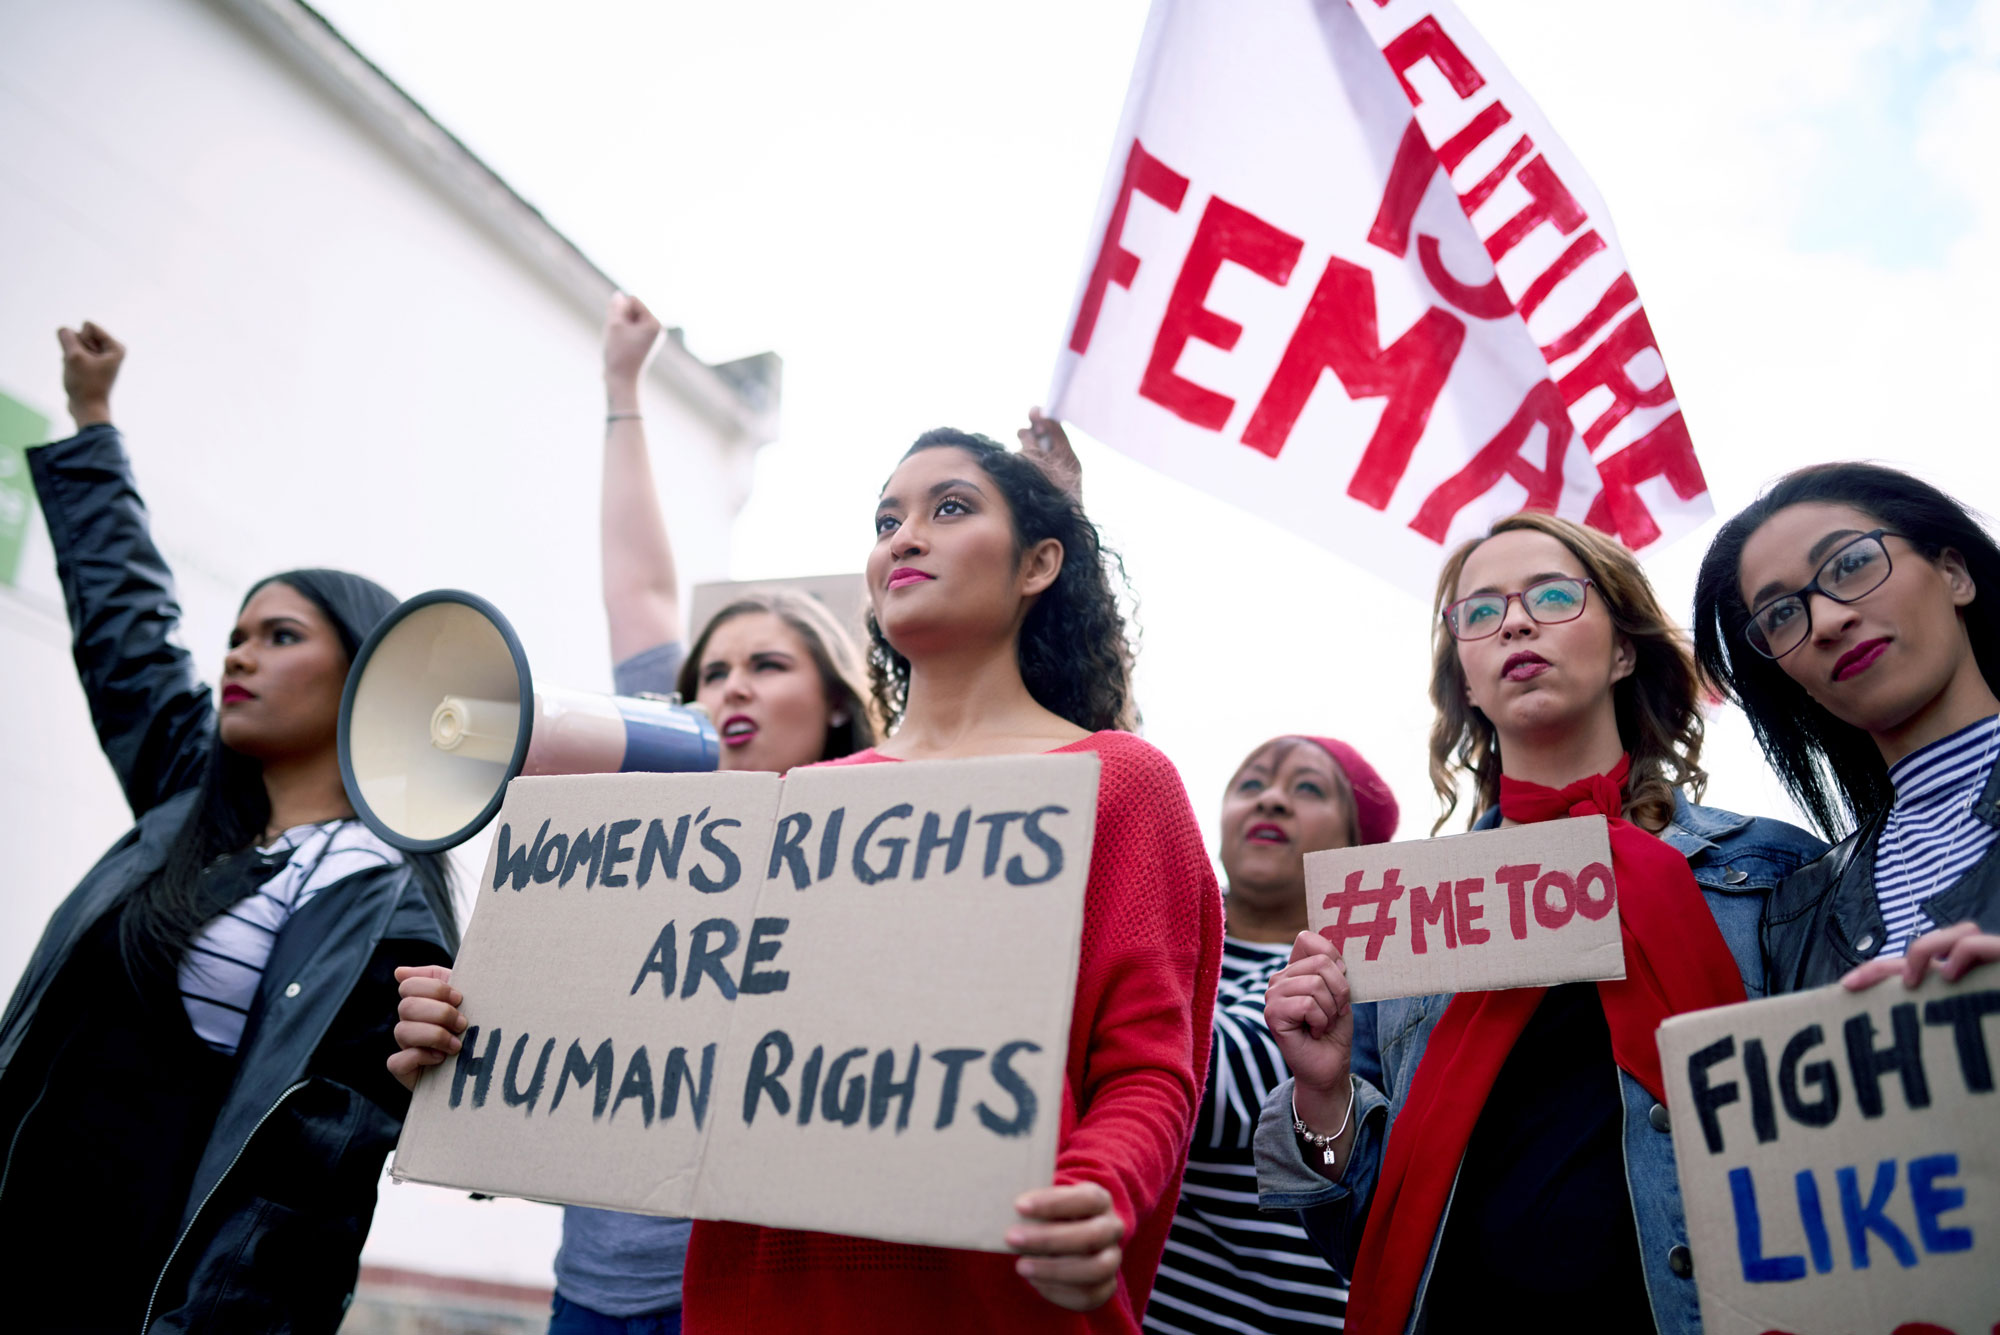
(995, 631)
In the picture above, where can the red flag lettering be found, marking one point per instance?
(1338, 333)
(1226, 233)
(1115, 264)
(1501, 457)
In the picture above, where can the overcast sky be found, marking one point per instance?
(897, 197)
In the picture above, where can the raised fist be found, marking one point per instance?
(91, 358)
(630, 334)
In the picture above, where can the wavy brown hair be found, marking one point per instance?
(1659, 704)
(833, 652)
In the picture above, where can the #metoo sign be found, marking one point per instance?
(1345, 275)
(1526, 906)
(835, 1001)
(1839, 1158)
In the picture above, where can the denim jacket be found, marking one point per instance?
(1737, 861)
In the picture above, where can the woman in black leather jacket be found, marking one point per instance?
(193, 1105)
(1851, 611)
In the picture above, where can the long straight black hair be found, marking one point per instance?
(164, 915)
(1833, 770)
(1075, 652)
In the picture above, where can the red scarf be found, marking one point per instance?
(1675, 961)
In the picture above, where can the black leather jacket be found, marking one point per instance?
(271, 1232)
(1825, 919)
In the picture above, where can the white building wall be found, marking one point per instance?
(331, 363)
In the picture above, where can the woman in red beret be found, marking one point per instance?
(1228, 1265)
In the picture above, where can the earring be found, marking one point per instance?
(837, 719)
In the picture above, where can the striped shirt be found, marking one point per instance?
(225, 962)
(1228, 1265)
(1931, 838)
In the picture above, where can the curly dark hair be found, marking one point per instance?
(1075, 652)
(1833, 770)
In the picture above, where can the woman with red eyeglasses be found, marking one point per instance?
(1502, 1158)
(1851, 612)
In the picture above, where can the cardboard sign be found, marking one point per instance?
(838, 1001)
(1345, 275)
(1839, 1158)
(1527, 906)
(845, 598)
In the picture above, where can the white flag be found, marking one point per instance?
(1345, 276)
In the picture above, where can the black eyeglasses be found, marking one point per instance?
(1855, 569)
(1548, 602)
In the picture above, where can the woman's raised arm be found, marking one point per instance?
(642, 598)
(151, 709)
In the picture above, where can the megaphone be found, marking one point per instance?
(440, 712)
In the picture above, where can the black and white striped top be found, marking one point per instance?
(1228, 1265)
(225, 962)
(1932, 838)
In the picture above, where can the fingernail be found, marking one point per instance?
(456, 1045)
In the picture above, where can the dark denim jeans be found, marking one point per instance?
(568, 1318)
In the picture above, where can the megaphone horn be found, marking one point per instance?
(440, 712)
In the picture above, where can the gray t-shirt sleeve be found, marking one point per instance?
(623, 1265)
(650, 671)
(626, 1265)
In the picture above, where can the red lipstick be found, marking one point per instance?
(903, 576)
(1859, 659)
(233, 694)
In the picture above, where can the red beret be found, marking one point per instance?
(1375, 809)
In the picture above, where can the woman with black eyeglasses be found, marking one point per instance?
(1844, 612)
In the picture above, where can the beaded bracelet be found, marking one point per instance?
(1311, 1137)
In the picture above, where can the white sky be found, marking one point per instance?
(898, 198)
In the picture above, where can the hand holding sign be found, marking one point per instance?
(1950, 951)
(1837, 1159)
(688, 1005)
(428, 1021)
(1071, 1253)
(1309, 1010)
